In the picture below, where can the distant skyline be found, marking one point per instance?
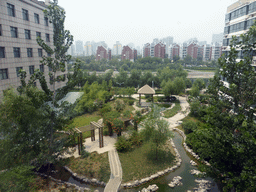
(139, 22)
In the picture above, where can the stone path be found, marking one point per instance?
(116, 172)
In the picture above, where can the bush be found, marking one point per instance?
(107, 108)
(119, 105)
(189, 126)
(122, 144)
(136, 138)
(84, 153)
(130, 102)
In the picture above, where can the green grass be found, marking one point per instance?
(94, 166)
(173, 111)
(85, 120)
(141, 162)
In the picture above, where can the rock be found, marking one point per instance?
(193, 163)
(144, 190)
(196, 172)
(176, 181)
(153, 187)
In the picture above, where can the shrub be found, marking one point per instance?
(119, 105)
(122, 144)
(84, 153)
(106, 108)
(189, 126)
(130, 102)
(136, 138)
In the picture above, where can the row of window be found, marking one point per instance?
(16, 52)
(25, 14)
(4, 72)
(14, 33)
(239, 26)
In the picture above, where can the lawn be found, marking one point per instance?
(94, 166)
(85, 120)
(140, 162)
(173, 111)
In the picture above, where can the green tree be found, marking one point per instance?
(156, 130)
(194, 91)
(229, 140)
(200, 83)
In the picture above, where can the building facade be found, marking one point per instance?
(159, 50)
(127, 53)
(146, 50)
(101, 53)
(174, 50)
(239, 18)
(20, 24)
(117, 48)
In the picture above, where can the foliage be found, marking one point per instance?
(20, 178)
(122, 144)
(189, 126)
(200, 83)
(173, 111)
(174, 87)
(119, 105)
(230, 130)
(195, 91)
(156, 130)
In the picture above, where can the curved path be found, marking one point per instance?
(116, 172)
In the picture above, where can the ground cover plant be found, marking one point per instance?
(140, 162)
(92, 166)
(173, 111)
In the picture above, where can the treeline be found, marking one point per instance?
(148, 63)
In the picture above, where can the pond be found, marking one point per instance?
(188, 179)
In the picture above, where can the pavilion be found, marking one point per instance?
(146, 90)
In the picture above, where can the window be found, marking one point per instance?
(25, 14)
(48, 54)
(1, 30)
(3, 74)
(41, 68)
(29, 52)
(31, 69)
(14, 32)
(40, 52)
(46, 21)
(47, 37)
(2, 52)
(27, 34)
(36, 16)
(50, 69)
(18, 70)
(10, 10)
(38, 34)
(16, 51)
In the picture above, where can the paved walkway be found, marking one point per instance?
(116, 172)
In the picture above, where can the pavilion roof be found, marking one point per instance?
(146, 89)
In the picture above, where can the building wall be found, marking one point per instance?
(159, 50)
(101, 53)
(7, 42)
(127, 53)
(146, 50)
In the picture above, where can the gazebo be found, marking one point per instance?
(146, 90)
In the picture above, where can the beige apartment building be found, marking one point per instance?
(21, 21)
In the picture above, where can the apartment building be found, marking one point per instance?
(174, 50)
(21, 21)
(128, 53)
(101, 53)
(239, 18)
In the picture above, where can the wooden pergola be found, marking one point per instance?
(146, 90)
(93, 125)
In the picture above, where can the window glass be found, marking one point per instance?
(38, 34)
(47, 37)
(29, 52)
(2, 52)
(36, 16)
(41, 68)
(25, 14)
(31, 69)
(40, 52)
(18, 70)
(3, 74)
(10, 9)
(46, 21)
(16, 51)
(14, 32)
(27, 34)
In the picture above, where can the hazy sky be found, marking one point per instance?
(140, 21)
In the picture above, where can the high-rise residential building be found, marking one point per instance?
(138, 50)
(117, 48)
(20, 24)
(174, 50)
(184, 49)
(79, 48)
(217, 38)
(101, 53)
(168, 41)
(239, 18)
(159, 50)
(146, 50)
(207, 53)
(127, 53)
(192, 50)
(216, 51)
(88, 49)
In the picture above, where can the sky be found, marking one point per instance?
(140, 21)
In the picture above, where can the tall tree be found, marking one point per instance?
(229, 140)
